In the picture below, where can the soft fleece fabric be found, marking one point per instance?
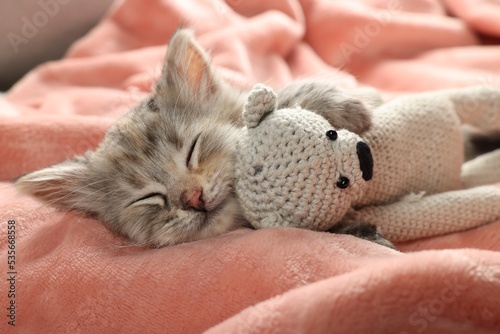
(73, 276)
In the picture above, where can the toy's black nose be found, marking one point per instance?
(365, 160)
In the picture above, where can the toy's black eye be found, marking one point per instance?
(343, 182)
(332, 134)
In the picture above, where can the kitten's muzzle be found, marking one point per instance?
(194, 200)
(365, 160)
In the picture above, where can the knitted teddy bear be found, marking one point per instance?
(406, 175)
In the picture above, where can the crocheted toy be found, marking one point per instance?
(405, 175)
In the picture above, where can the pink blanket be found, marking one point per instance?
(71, 275)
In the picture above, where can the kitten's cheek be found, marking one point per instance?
(213, 203)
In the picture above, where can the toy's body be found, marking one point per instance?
(418, 174)
(418, 149)
(425, 154)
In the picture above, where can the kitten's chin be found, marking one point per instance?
(220, 220)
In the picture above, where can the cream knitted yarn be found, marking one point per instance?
(288, 172)
(287, 168)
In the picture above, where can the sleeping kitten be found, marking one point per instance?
(163, 173)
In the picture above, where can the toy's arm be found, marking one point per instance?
(476, 105)
(433, 215)
(484, 169)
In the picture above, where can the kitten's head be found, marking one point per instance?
(163, 173)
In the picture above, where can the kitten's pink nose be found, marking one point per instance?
(194, 200)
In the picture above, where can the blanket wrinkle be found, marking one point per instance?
(452, 280)
(73, 275)
(480, 15)
(382, 33)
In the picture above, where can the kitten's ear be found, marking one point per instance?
(187, 69)
(59, 185)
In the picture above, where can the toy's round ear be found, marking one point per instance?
(261, 101)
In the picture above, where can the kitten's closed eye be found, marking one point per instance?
(190, 162)
(151, 199)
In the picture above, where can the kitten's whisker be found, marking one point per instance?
(58, 199)
(127, 243)
(75, 204)
(198, 98)
(92, 204)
